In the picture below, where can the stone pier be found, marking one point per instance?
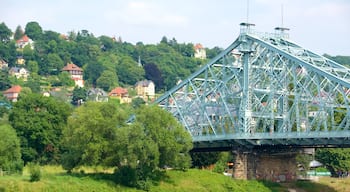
(278, 166)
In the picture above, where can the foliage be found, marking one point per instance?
(33, 30)
(97, 134)
(65, 79)
(221, 164)
(10, 151)
(35, 172)
(337, 159)
(19, 33)
(39, 121)
(79, 95)
(89, 133)
(108, 80)
(204, 159)
(5, 33)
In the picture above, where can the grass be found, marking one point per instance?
(55, 179)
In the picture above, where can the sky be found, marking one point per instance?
(322, 26)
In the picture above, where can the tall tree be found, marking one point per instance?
(33, 30)
(334, 159)
(79, 95)
(108, 80)
(10, 151)
(89, 133)
(128, 70)
(19, 33)
(39, 121)
(5, 33)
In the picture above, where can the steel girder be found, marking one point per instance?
(264, 90)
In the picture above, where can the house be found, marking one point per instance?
(24, 41)
(76, 74)
(20, 60)
(12, 93)
(19, 72)
(121, 94)
(145, 89)
(199, 51)
(97, 94)
(3, 64)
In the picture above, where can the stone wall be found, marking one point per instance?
(278, 167)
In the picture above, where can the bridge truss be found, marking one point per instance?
(264, 90)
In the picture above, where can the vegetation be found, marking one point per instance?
(54, 178)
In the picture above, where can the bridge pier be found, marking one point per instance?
(275, 166)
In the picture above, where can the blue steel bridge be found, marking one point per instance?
(264, 90)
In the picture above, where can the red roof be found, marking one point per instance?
(71, 67)
(14, 89)
(118, 91)
(25, 38)
(198, 46)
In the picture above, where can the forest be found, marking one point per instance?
(49, 130)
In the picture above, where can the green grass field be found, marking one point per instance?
(54, 179)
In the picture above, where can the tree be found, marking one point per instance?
(334, 159)
(4, 80)
(108, 80)
(128, 71)
(65, 79)
(39, 121)
(54, 63)
(89, 133)
(19, 33)
(5, 33)
(10, 151)
(79, 95)
(153, 73)
(173, 141)
(33, 67)
(33, 30)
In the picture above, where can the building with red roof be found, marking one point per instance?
(12, 93)
(199, 51)
(23, 41)
(120, 93)
(76, 73)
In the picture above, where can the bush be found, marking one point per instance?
(35, 172)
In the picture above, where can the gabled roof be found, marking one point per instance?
(198, 46)
(71, 67)
(24, 39)
(14, 89)
(118, 91)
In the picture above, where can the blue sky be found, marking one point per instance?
(322, 26)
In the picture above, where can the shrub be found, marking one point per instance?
(35, 172)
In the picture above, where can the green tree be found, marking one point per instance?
(174, 142)
(19, 33)
(10, 151)
(33, 67)
(5, 82)
(128, 71)
(5, 33)
(33, 30)
(39, 121)
(79, 95)
(54, 63)
(65, 79)
(334, 159)
(108, 80)
(89, 133)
